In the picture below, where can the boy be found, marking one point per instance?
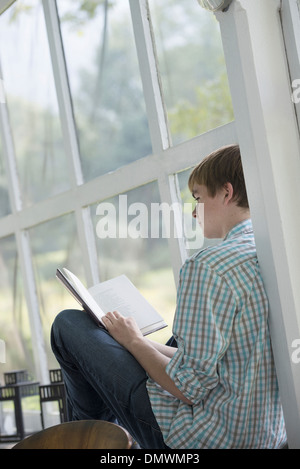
(214, 385)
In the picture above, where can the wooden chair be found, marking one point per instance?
(80, 434)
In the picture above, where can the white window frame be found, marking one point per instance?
(4, 4)
(161, 166)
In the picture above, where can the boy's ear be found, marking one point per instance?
(228, 195)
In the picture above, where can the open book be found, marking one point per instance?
(117, 294)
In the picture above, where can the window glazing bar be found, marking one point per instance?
(144, 40)
(23, 246)
(290, 18)
(135, 174)
(63, 91)
(4, 4)
(85, 234)
(170, 193)
(9, 153)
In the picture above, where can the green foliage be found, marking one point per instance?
(83, 11)
(211, 108)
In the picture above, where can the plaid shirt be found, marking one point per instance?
(224, 363)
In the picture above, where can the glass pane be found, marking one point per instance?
(51, 414)
(32, 103)
(130, 241)
(4, 196)
(31, 413)
(192, 68)
(54, 244)
(105, 84)
(14, 322)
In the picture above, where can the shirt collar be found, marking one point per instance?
(244, 227)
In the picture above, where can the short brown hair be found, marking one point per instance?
(222, 166)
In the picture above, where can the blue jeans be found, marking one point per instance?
(103, 380)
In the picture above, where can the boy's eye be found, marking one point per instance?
(196, 201)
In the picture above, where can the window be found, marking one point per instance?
(192, 66)
(5, 203)
(105, 84)
(32, 103)
(54, 245)
(85, 124)
(128, 246)
(14, 319)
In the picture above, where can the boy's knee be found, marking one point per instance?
(63, 322)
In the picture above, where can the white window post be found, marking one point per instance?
(23, 245)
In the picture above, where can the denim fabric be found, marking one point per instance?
(103, 380)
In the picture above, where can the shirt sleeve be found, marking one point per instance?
(203, 322)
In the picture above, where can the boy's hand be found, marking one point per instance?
(123, 329)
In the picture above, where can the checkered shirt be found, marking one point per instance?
(224, 363)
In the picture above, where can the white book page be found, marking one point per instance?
(121, 295)
(85, 295)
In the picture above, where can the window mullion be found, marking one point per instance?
(4, 4)
(86, 235)
(290, 18)
(144, 40)
(23, 246)
(9, 155)
(63, 91)
(169, 193)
